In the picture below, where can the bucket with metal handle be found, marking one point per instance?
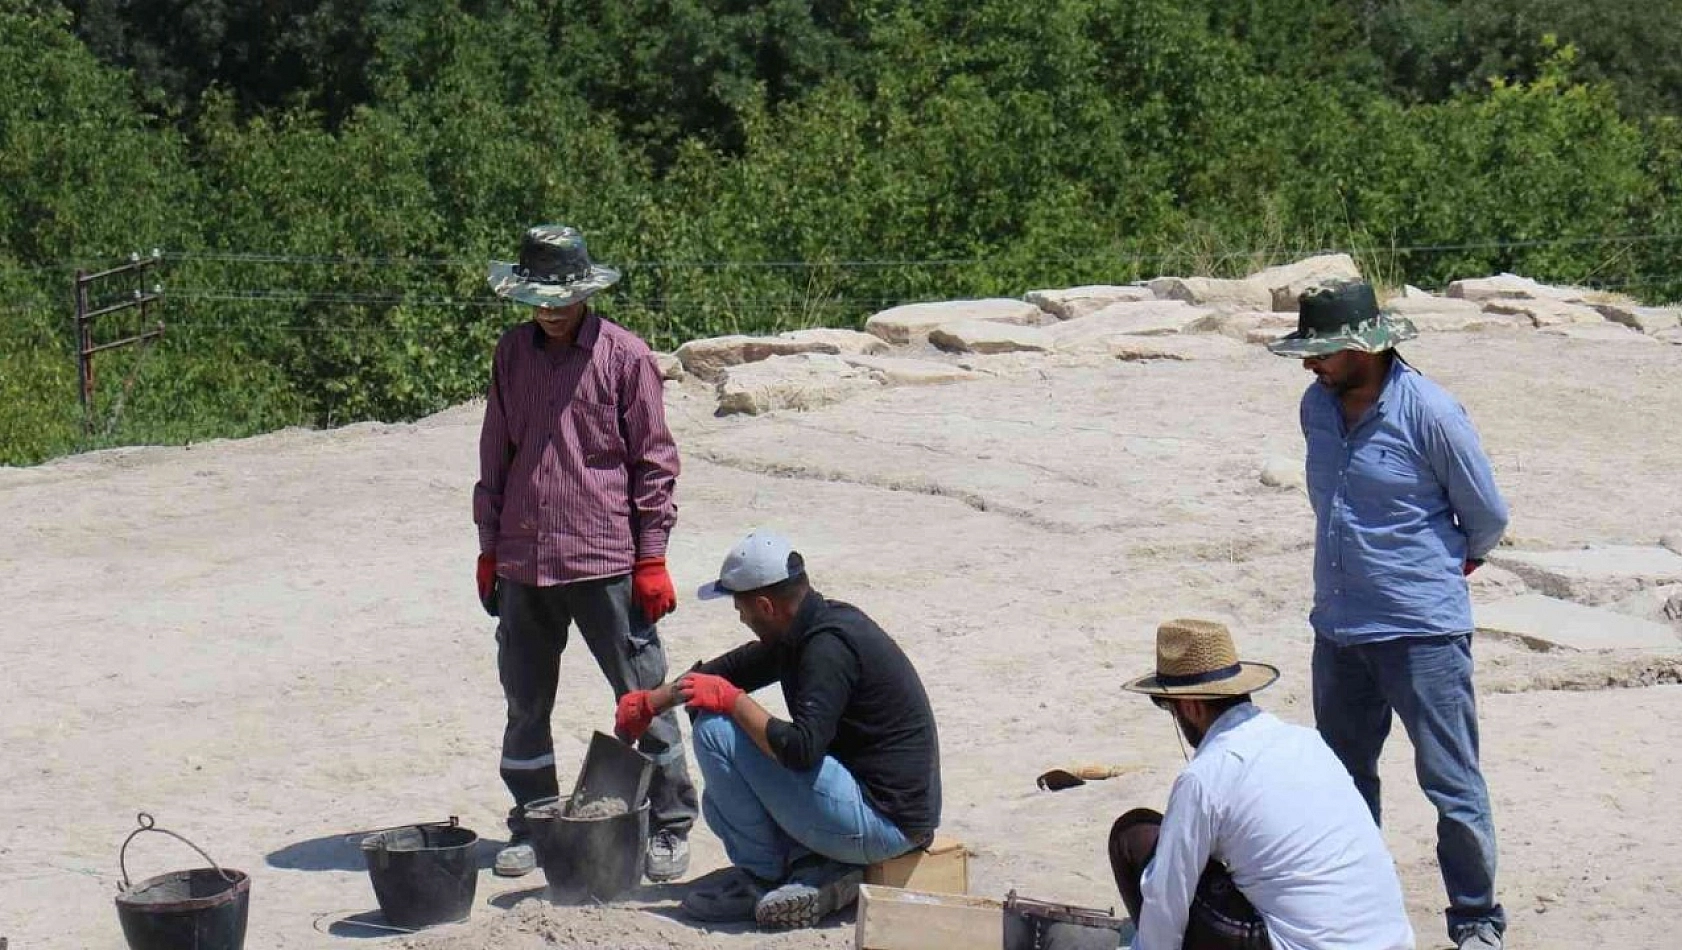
(201, 908)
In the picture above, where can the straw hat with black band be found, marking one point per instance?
(1195, 659)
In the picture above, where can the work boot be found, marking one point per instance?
(725, 896)
(816, 888)
(516, 859)
(1479, 936)
(668, 856)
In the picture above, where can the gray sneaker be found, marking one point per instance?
(725, 896)
(1479, 936)
(668, 857)
(517, 859)
(815, 889)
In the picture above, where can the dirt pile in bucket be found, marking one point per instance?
(598, 808)
(539, 925)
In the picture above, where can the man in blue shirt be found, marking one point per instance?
(1405, 506)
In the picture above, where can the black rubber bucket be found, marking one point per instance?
(198, 909)
(423, 874)
(597, 858)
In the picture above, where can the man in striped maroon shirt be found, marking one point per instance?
(574, 505)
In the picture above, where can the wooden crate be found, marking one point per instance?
(890, 918)
(941, 868)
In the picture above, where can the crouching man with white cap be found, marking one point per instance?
(802, 805)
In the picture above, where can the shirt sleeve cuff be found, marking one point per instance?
(487, 540)
(651, 544)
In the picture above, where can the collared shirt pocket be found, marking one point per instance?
(599, 439)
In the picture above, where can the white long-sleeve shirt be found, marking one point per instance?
(1272, 803)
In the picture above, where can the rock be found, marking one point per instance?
(1493, 583)
(1648, 320)
(1261, 336)
(1410, 291)
(1409, 304)
(1593, 575)
(671, 368)
(986, 336)
(708, 358)
(1179, 347)
(845, 341)
(1095, 332)
(1462, 322)
(1658, 604)
(1286, 282)
(1669, 336)
(1545, 623)
(912, 322)
(1600, 332)
(897, 371)
(1514, 287)
(1546, 313)
(1281, 472)
(1214, 292)
(1076, 302)
(1672, 541)
(1240, 325)
(806, 381)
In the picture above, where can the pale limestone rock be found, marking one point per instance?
(846, 342)
(1658, 604)
(805, 381)
(1669, 336)
(1648, 320)
(1459, 321)
(1546, 623)
(1287, 282)
(1514, 287)
(671, 368)
(1076, 302)
(1490, 583)
(1240, 325)
(708, 358)
(898, 371)
(1214, 292)
(1545, 313)
(987, 336)
(912, 322)
(1410, 291)
(1407, 305)
(1672, 541)
(1594, 575)
(1178, 347)
(1281, 472)
(1599, 332)
(1261, 336)
(1095, 332)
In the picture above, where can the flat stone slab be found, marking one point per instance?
(1241, 324)
(845, 342)
(1184, 347)
(1594, 575)
(1546, 623)
(1409, 304)
(1214, 292)
(912, 322)
(1669, 336)
(1514, 287)
(1599, 332)
(1075, 302)
(1459, 321)
(806, 381)
(1286, 282)
(987, 336)
(708, 358)
(1546, 313)
(898, 371)
(1095, 332)
(1648, 320)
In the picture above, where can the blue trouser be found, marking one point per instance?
(1427, 682)
(768, 815)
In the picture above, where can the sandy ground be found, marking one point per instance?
(273, 642)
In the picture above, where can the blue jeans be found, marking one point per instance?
(768, 815)
(1427, 682)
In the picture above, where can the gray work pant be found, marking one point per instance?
(530, 637)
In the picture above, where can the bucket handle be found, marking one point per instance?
(147, 823)
(453, 822)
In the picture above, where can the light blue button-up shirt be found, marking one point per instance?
(1401, 500)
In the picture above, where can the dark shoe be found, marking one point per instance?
(516, 859)
(668, 857)
(723, 897)
(1478, 936)
(815, 889)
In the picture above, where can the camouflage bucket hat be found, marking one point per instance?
(554, 269)
(1342, 316)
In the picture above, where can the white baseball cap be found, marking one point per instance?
(759, 560)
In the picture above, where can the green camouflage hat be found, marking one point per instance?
(1342, 316)
(554, 269)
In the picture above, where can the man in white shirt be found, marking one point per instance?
(1266, 843)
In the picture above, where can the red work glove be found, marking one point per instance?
(485, 575)
(708, 693)
(634, 715)
(1467, 568)
(651, 588)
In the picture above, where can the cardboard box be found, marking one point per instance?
(893, 919)
(941, 868)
